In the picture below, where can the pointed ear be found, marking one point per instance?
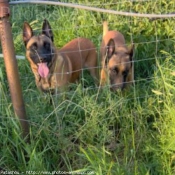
(110, 48)
(131, 51)
(46, 29)
(27, 32)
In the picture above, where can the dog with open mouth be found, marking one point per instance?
(116, 60)
(53, 68)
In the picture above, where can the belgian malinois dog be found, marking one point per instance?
(116, 60)
(53, 68)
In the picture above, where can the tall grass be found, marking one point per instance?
(92, 131)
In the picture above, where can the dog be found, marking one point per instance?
(53, 68)
(116, 60)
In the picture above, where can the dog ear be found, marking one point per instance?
(27, 32)
(131, 51)
(110, 48)
(46, 29)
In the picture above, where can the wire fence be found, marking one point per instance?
(153, 43)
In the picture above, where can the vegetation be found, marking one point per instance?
(92, 131)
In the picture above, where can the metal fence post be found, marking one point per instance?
(11, 67)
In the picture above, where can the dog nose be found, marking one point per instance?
(116, 87)
(41, 59)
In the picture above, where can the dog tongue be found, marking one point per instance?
(43, 70)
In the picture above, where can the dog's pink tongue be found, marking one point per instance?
(43, 70)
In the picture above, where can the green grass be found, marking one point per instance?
(129, 133)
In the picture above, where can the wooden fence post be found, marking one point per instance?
(12, 67)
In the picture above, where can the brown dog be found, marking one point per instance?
(116, 60)
(56, 69)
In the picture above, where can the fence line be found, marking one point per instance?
(170, 15)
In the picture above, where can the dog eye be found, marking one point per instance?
(125, 73)
(34, 46)
(114, 70)
(47, 45)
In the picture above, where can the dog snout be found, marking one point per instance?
(44, 58)
(116, 83)
(116, 88)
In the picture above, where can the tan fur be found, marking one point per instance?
(67, 64)
(120, 59)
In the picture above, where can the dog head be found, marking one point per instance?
(39, 49)
(118, 61)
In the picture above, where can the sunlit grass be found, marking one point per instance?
(92, 130)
